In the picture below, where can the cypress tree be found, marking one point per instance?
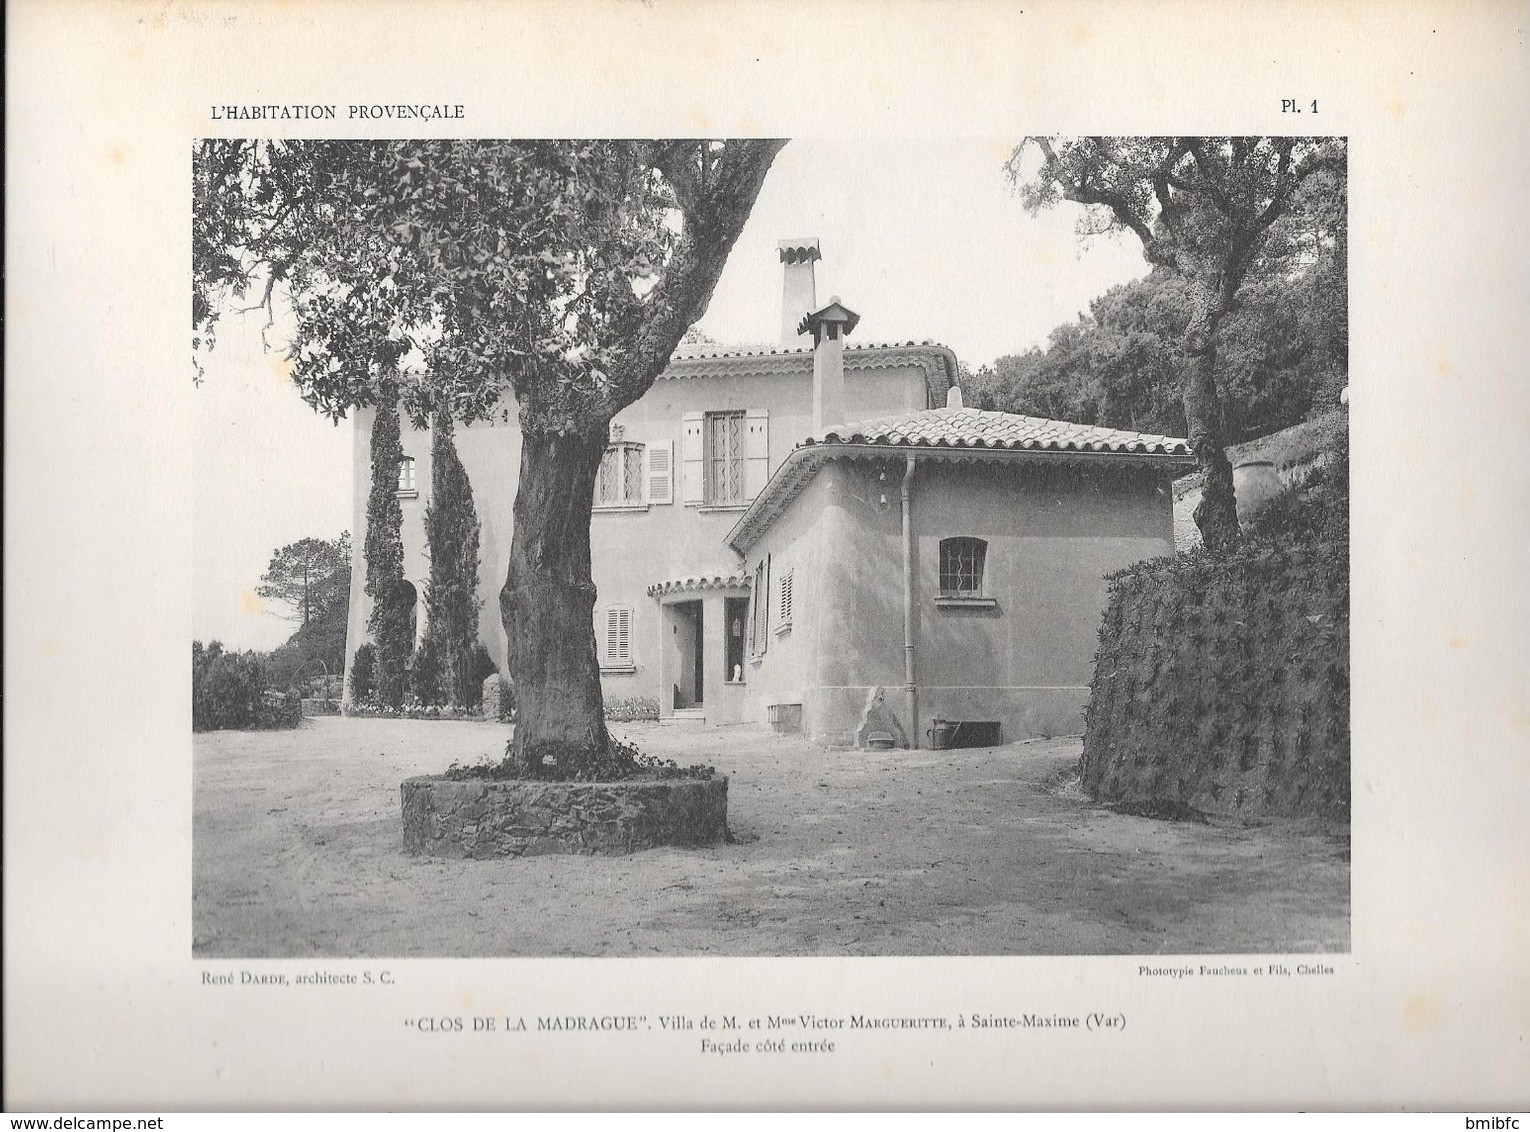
(451, 599)
(390, 623)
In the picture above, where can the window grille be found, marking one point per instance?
(620, 483)
(725, 458)
(961, 567)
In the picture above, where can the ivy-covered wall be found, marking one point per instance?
(1222, 685)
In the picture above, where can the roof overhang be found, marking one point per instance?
(938, 363)
(700, 583)
(804, 462)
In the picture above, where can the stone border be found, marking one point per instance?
(482, 818)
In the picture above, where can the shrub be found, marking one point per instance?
(230, 690)
(364, 673)
(425, 673)
(480, 667)
(278, 711)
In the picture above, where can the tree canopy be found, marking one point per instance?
(558, 269)
(1205, 209)
(445, 274)
(310, 577)
(1282, 347)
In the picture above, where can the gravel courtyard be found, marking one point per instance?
(297, 851)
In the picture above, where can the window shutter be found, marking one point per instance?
(763, 636)
(786, 598)
(616, 643)
(756, 451)
(691, 478)
(661, 472)
(623, 635)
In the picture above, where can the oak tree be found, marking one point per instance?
(1202, 207)
(549, 278)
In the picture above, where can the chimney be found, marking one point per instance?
(828, 328)
(954, 397)
(798, 293)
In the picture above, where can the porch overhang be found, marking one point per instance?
(699, 584)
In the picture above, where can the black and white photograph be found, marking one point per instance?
(760, 547)
(805, 555)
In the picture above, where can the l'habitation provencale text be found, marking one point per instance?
(321, 111)
(728, 1033)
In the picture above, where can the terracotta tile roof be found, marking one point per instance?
(700, 582)
(953, 436)
(688, 351)
(981, 428)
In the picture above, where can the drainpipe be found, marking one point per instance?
(910, 689)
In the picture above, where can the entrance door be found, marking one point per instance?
(684, 623)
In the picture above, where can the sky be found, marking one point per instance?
(925, 240)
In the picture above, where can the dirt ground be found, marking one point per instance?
(298, 852)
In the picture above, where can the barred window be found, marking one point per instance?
(620, 483)
(961, 567)
(725, 458)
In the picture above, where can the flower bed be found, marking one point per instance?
(412, 708)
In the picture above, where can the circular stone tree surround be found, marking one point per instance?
(482, 818)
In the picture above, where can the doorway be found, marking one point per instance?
(685, 626)
(735, 613)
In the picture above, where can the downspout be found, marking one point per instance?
(910, 688)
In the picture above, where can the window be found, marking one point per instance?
(620, 482)
(725, 458)
(736, 614)
(961, 567)
(406, 476)
(616, 637)
(784, 603)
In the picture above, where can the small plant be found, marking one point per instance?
(630, 709)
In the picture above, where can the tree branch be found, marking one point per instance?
(1084, 193)
(1208, 180)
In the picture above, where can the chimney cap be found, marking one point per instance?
(835, 314)
(803, 250)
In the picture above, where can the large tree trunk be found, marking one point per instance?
(548, 609)
(1216, 515)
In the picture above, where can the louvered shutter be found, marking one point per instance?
(785, 588)
(661, 472)
(623, 653)
(756, 451)
(616, 646)
(692, 479)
